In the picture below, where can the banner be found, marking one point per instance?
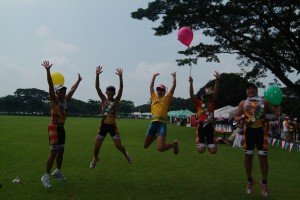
(291, 146)
(284, 145)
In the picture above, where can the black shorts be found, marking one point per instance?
(205, 134)
(108, 128)
(256, 137)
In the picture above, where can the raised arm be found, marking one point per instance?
(49, 79)
(152, 82)
(73, 88)
(119, 72)
(99, 91)
(192, 96)
(216, 87)
(174, 83)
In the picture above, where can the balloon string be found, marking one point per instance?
(190, 63)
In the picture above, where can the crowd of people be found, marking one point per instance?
(288, 130)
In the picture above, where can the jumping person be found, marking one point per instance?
(252, 112)
(205, 107)
(108, 124)
(58, 102)
(160, 103)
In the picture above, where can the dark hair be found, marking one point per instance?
(111, 88)
(251, 85)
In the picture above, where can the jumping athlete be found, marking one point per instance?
(58, 101)
(108, 124)
(205, 107)
(252, 112)
(160, 104)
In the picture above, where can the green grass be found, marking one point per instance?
(153, 175)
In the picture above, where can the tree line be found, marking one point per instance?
(231, 92)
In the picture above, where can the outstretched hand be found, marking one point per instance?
(119, 71)
(217, 75)
(156, 74)
(79, 77)
(190, 79)
(46, 64)
(174, 74)
(99, 70)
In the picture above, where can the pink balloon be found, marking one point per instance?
(185, 35)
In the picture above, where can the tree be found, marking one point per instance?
(232, 89)
(143, 108)
(264, 34)
(126, 107)
(32, 98)
(291, 102)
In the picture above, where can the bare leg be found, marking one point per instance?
(50, 161)
(122, 149)
(162, 146)
(248, 164)
(59, 159)
(120, 146)
(264, 165)
(148, 141)
(98, 143)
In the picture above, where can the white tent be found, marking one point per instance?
(225, 112)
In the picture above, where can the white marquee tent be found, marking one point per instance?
(225, 112)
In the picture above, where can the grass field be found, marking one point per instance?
(153, 175)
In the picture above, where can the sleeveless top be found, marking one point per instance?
(205, 111)
(59, 112)
(254, 109)
(109, 110)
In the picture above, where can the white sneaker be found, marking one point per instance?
(58, 175)
(46, 181)
(93, 163)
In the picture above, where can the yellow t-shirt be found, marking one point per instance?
(160, 107)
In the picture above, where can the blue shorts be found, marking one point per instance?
(157, 128)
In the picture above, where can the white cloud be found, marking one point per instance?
(43, 31)
(59, 47)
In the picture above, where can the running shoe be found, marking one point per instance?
(46, 181)
(93, 163)
(264, 189)
(58, 175)
(249, 187)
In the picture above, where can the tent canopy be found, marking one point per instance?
(225, 112)
(180, 113)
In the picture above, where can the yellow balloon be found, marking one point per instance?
(57, 78)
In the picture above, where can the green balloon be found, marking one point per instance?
(273, 95)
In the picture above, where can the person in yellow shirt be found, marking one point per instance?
(109, 107)
(252, 112)
(160, 103)
(59, 99)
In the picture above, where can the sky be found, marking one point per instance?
(78, 35)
